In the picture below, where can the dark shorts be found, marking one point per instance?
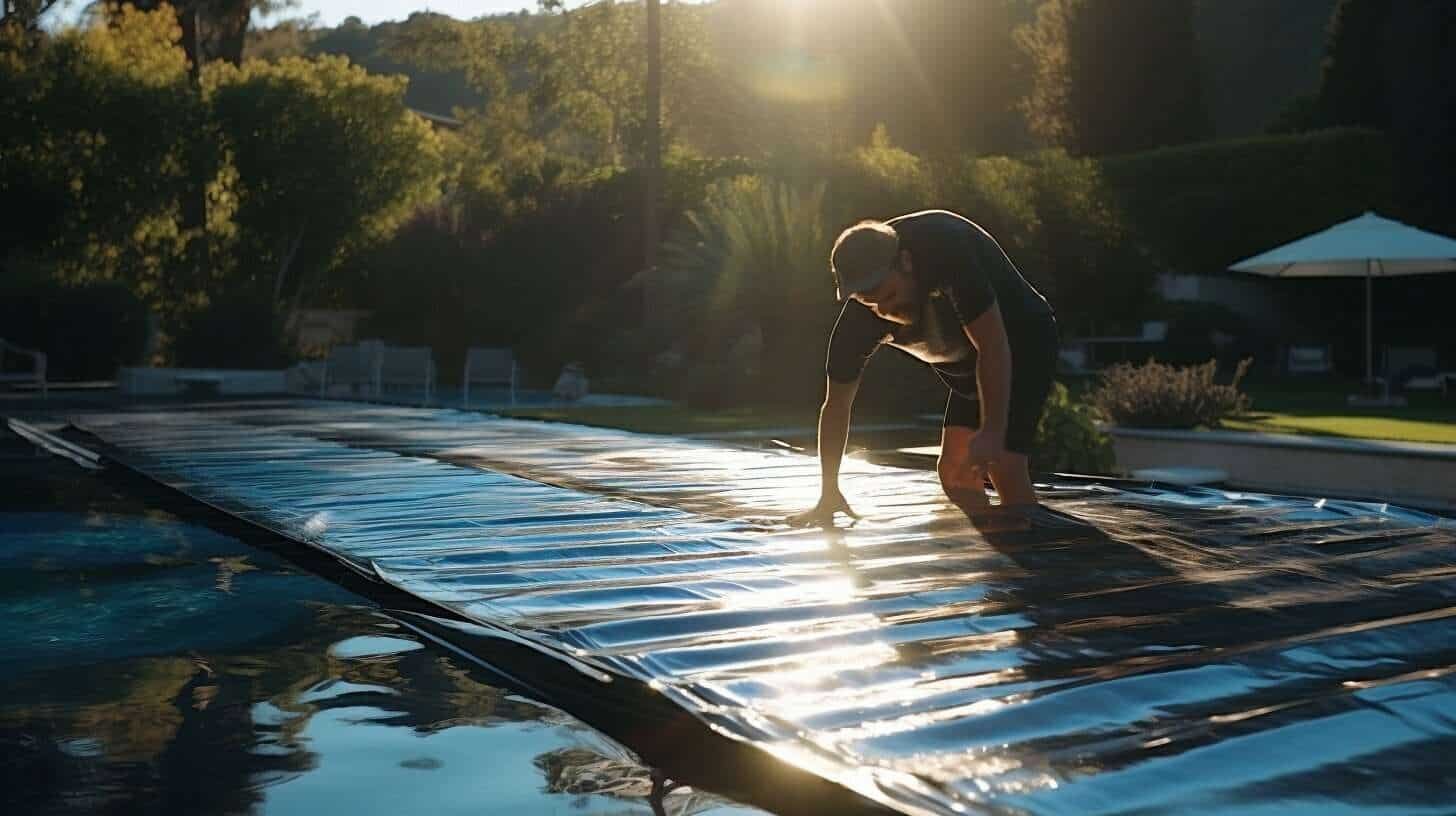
(1033, 362)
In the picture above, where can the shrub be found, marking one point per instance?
(753, 256)
(1201, 207)
(86, 331)
(1156, 395)
(879, 180)
(1067, 439)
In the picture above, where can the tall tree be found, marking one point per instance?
(1114, 76)
(1353, 74)
(1256, 56)
(24, 14)
(652, 145)
(1421, 103)
(1047, 42)
(328, 159)
(590, 64)
(213, 29)
(1385, 67)
(97, 128)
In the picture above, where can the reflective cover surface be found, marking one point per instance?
(1180, 651)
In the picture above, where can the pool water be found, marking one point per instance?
(153, 665)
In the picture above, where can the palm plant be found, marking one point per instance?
(754, 255)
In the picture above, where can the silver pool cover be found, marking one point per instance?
(1205, 651)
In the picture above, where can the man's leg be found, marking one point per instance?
(964, 483)
(1012, 478)
(1033, 360)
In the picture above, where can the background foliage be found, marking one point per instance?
(284, 169)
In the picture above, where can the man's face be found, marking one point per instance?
(895, 298)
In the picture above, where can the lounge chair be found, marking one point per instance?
(489, 366)
(355, 367)
(1414, 368)
(407, 367)
(22, 365)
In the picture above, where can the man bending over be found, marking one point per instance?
(938, 287)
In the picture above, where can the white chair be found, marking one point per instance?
(36, 365)
(489, 366)
(1413, 368)
(407, 367)
(355, 367)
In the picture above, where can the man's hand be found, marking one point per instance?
(822, 514)
(986, 449)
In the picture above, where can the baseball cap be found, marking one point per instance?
(863, 257)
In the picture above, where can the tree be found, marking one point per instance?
(287, 38)
(1048, 106)
(438, 92)
(1385, 68)
(24, 15)
(591, 64)
(97, 135)
(1114, 76)
(569, 79)
(1422, 109)
(327, 159)
(214, 29)
(1353, 74)
(652, 152)
(1257, 56)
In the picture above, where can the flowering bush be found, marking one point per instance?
(1155, 395)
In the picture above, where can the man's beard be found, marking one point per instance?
(906, 308)
(902, 313)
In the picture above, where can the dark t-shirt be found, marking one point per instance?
(960, 272)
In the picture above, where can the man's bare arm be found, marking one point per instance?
(993, 370)
(834, 417)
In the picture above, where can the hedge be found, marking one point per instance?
(1202, 207)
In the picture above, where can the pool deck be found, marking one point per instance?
(1258, 649)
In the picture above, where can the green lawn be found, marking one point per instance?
(1319, 408)
(1356, 427)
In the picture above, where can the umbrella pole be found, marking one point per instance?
(1369, 321)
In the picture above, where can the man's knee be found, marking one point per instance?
(945, 470)
(959, 474)
(953, 465)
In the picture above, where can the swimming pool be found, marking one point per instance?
(153, 664)
(1172, 650)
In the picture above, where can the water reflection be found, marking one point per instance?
(160, 667)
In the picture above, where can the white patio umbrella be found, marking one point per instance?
(1370, 247)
